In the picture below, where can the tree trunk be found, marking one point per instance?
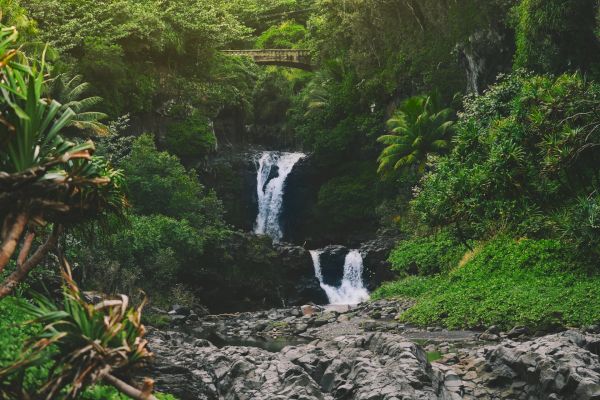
(127, 389)
(12, 238)
(23, 270)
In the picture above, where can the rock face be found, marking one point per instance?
(484, 55)
(332, 264)
(233, 176)
(363, 354)
(259, 275)
(561, 366)
(377, 268)
(369, 367)
(301, 191)
(301, 284)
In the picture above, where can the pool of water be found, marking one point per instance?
(273, 345)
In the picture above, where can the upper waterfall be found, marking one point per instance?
(273, 170)
(352, 289)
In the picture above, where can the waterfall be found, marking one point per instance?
(352, 289)
(474, 69)
(273, 170)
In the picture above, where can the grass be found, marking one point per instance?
(507, 283)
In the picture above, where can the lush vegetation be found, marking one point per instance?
(506, 282)
(470, 130)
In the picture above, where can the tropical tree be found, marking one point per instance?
(317, 94)
(46, 181)
(419, 127)
(84, 343)
(71, 92)
(46, 184)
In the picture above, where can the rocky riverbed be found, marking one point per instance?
(363, 353)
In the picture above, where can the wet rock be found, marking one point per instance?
(300, 285)
(177, 309)
(562, 366)
(377, 268)
(332, 264)
(518, 331)
(489, 337)
(308, 309)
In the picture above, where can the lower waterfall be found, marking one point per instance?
(352, 289)
(273, 170)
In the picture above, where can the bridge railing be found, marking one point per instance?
(273, 52)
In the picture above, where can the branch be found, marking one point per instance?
(416, 11)
(129, 390)
(12, 239)
(23, 270)
(26, 248)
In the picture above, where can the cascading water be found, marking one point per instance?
(273, 170)
(352, 289)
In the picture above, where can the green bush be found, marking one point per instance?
(411, 287)
(100, 392)
(193, 137)
(509, 282)
(288, 35)
(427, 255)
(557, 35)
(521, 151)
(347, 202)
(158, 183)
(13, 334)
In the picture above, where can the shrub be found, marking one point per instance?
(556, 35)
(192, 137)
(427, 255)
(412, 287)
(521, 151)
(159, 184)
(509, 282)
(288, 35)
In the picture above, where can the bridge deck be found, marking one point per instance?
(282, 57)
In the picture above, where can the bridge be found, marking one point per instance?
(280, 57)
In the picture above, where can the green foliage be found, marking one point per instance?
(191, 138)
(12, 331)
(70, 91)
(419, 127)
(271, 98)
(427, 255)
(557, 35)
(159, 184)
(135, 53)
(346, 201)
(174, 224)
(509, 282)
(521, 151)
(411, 287)
(401, 47)
(89, 342)
(157, 246)
(31, 135)
(288, 35)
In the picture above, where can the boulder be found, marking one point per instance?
(560, 366)
(332, 264)
(300, 285)
(308, 309)
(377, 268)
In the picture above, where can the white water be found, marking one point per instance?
(270, 196)
(352, 289)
